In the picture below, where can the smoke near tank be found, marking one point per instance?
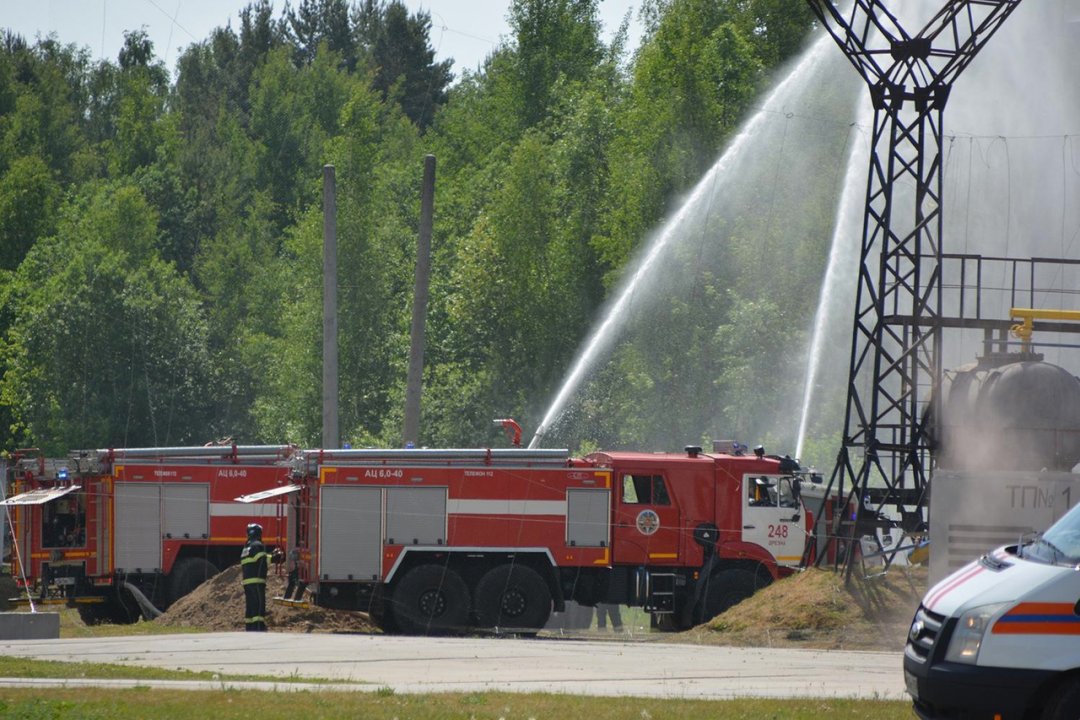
(1009, 415)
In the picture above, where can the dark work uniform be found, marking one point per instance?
(253, 562)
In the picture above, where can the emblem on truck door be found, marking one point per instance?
(648, 522)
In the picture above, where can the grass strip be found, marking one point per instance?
(17, 667)
(147, 704)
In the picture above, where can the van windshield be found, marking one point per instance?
(1061, 543)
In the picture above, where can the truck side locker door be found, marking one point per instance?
(772, 517)
(647, 522)
(187, 510)
(416, 515)
(350, 532)
(137, 508)
(587, 512)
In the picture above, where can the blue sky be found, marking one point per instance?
(465, 30)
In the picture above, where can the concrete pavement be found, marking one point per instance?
(420, 665)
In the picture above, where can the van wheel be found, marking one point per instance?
(430, 600)
(513, 597)
(187, 575)
(1064, 704)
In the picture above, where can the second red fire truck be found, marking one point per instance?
(124, 532)
(432, 541)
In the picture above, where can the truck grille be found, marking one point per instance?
(923, 635)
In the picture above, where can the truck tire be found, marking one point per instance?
(430, 600)
(381, 612)
(513, 597)
(1064, 703)
(726, 589)
(186, 575)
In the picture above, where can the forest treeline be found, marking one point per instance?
(161, 229)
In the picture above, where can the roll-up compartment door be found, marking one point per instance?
(350, 533)
(587, 514)
(416, 516)
(187, 510)
(137, 522)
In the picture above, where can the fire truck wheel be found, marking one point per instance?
(514, 597)
(187, 575)
(1064, 704)
(728, 588)
(380, 612)
(430, 600)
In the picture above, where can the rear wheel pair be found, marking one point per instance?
(435, 600)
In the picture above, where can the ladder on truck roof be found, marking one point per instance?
(309, 461)
(97, 460)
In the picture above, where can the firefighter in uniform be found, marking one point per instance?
(253, 565)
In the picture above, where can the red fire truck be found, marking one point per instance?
(120, 531)
(431, 541)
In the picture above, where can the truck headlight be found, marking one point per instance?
(968, 636)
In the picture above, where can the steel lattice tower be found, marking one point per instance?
(895, 369)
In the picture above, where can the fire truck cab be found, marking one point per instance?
(121, 532)
(430, 541)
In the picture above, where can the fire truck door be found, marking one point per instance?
(187, 510)
(772, 517)
(350, 532)
(646, 527)
(137, 523)
(416, 515)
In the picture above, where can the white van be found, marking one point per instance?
(1000, 638)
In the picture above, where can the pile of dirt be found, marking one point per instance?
(218, 605)
(818, 608)
(815, 608)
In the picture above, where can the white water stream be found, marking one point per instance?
(1011, 179)
(724, 170)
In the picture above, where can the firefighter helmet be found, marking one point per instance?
(254, 531)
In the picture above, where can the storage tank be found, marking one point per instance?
(1009, 416)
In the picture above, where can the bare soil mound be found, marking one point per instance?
(218, 605)
(818, 608)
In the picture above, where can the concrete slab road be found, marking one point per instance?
(414, 664)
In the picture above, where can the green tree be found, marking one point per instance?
(29, 198)
(556, 40)
(46, 118)
(403, 58)
(107, 343)
(377, 160)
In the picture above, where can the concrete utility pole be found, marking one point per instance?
(330, 434)
(415, 380)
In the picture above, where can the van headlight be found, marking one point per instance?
(968, 636)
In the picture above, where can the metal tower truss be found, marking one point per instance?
(895, 371)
